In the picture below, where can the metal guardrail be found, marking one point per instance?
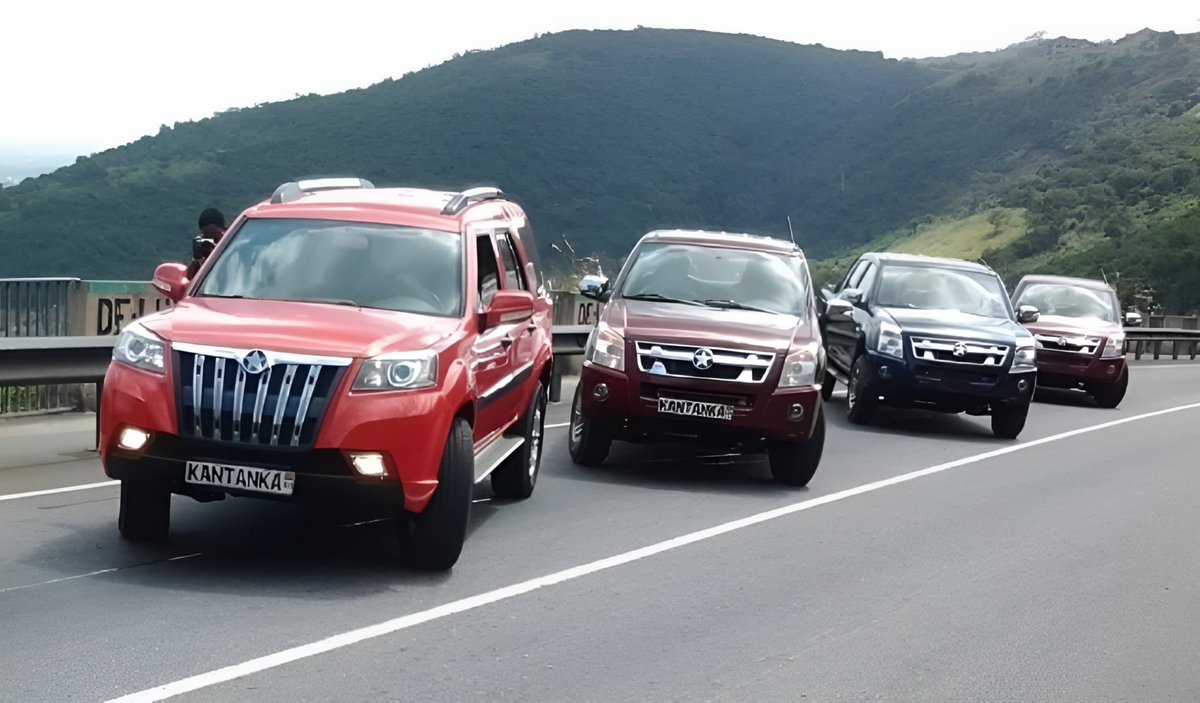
(36, 307)
(1138, 339)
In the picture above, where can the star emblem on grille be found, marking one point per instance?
(960, 349)
(255, 362)
(702, 359)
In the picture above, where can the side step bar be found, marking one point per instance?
(494, 454)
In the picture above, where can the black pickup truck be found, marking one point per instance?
(917, 331)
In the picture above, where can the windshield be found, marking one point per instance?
(1071, 301)
(344, 263)
(926, 288)
(719, 277)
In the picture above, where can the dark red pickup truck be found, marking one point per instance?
(708, 337)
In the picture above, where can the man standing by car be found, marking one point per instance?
(212, 228)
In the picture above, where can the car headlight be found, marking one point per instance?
(606, 348)
(1114, 347)
(1025, 359)
(140, 348)
(800, 367)
(404, 371)
(890, 340)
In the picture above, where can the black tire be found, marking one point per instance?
(794, 463)
(861, 402)
(434, 537)
(516, 477)
(1110, 395)
(1009, 420)
(587, 442)
(145, 512)
(828, 385)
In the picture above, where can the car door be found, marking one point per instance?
(526, 334)
(495, 350)
(843, 320)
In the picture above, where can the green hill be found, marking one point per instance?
(607, 134)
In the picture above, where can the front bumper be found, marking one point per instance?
(1059, 369)
(761, 411)
(408, 428)
(941, 386)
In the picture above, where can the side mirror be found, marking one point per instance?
(852, 296)
(839, 309)
(827, 293)
(171, 280)
(1027, 313)
(595, 287)
(508, 306)
(1133, 319)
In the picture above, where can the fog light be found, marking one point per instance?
(1112, 370)
(885, 372)
(369, 464)
(600, 392)
(1022, 385)
(796, 412)
(133, 439)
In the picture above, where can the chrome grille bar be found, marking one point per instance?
(218, 395)
(260, 400)
(310, 384)
(281, 405)
(239, 395)
(197, 394)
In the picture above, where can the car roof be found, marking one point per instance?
(1064, 280)
(740, 240)
(922, 260)
(414, 207)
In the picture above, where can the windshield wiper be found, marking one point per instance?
(328, 301)
(735, 305)
(661, 297)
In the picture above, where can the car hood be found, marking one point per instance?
(957, 325)
(1073, 326)
(705, 326)
(302, 328)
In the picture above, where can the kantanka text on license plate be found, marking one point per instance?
(247, 478)
(695, 408)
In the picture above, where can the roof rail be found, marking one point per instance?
(471, 195)
(293, 190)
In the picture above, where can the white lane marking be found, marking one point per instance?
(270, 661)
(52, 491)
(95, 573)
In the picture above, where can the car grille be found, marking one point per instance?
(281, 406)
(1063, 343)
(955, 351)
(657, 359)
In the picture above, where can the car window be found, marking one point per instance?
(514, 278)
(489, 270)
(931, 288)
(775, 282)
(869, 275)
(342, 263)
(1071, 301)
(855, 275)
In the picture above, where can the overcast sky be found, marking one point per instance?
(87, 74)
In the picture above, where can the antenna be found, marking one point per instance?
(790, 232)
(1104, 276)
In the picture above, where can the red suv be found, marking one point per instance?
(1076, 323)
(342, 343)
(708, 337)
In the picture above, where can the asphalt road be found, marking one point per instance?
(1062, 566)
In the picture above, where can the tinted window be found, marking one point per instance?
(776, 282)
(1071, 301)
(368, 265)
(513, 277)
(489, 271)
(928, 288)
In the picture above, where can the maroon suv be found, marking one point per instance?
(710, 338)
(1080, 340)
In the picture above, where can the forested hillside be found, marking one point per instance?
(1088, 151)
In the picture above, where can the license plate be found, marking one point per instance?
(695, 408)
(246, 478)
